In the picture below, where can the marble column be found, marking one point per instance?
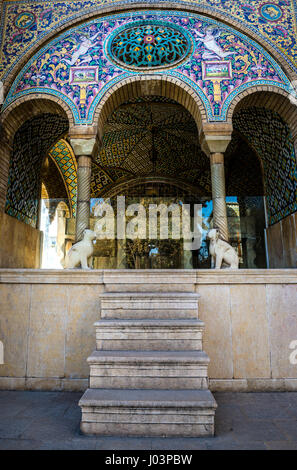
(220, 219)
(84, 170)
(214, 140)
(83, 149)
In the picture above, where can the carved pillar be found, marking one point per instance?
(83, 149)
(220, 219)
(84, 164)
(214, 140)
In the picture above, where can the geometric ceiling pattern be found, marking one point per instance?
(150, 136)
(62, 154)
(270, 137)
(31, 144)
(154, 136)
(53, 187)
(127, 151)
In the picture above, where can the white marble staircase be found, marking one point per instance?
(148, 374)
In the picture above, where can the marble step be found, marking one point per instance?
(150, 280)
(147, 334)
(155, 305)
(164, 413)
(149, 369)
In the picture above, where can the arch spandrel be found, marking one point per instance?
(75, 67)
(275, 31)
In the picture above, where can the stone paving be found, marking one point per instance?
(244, 421)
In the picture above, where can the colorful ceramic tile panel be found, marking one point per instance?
(24, 23)
(149, 45)
(31, 144)
(64, 158)
(271, 139)
(76, 67)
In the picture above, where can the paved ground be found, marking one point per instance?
(50, 420)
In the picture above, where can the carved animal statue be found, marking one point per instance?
(221, 251)
(81, 252)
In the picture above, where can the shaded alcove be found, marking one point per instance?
(150, 148)
(270, 137)
(150, 136)
(31, 145)
(246, 212)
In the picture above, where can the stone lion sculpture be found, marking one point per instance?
(81, 252)
(221, 251)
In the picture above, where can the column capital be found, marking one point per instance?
(82, 132)
(85, 147)
(215, 137)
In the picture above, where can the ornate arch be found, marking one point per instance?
(117, 188)
(213, 11)
(269, 97)
(28, 106)
(82, 80)
(12, 119)
(146, 85)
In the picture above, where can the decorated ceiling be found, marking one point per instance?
(270, 137)
(23, 22)
(136, 127)
(31, 145)
(150, 136)
(80, 65)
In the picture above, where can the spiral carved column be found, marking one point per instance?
(220, 220)
(83, 149)
(84, 168)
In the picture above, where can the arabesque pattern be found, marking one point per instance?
(76, 68)
(149, 44)
(24, 23)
